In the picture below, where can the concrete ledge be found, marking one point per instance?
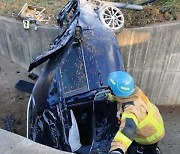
(14, 144)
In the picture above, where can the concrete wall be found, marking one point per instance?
(14, 144)
(22, 45)
(151, 54)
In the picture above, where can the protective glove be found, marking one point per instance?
(101, 96)
(104, 95)
(116, 151)
(111, 97)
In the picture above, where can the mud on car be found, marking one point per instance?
(69, 95)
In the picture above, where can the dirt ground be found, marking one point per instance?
(171, 142)
(159, 11)
(11, 8)
(14, 103)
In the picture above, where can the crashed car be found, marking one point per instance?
(69, 98)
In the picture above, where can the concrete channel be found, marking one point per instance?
(151, 54)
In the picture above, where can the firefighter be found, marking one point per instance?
(141, 123)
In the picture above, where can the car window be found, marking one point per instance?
(72, 71)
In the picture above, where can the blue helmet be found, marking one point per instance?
(121, 83)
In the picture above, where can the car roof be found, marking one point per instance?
(100, 50)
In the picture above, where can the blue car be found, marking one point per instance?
(69, 97)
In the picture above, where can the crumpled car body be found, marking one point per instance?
(79, 62)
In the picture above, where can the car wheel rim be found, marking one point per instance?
(112, 18)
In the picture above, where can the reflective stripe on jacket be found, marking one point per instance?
(140, 121)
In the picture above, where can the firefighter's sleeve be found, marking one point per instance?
(125, 136)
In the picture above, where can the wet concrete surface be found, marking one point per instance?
(14, 103)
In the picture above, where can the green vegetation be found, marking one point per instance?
(170, 4)
(170, 7)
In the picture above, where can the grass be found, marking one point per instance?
(170, 8)
(170, 4)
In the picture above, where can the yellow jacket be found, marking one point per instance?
(140, 121)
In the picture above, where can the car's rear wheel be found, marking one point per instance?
(112, 18)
